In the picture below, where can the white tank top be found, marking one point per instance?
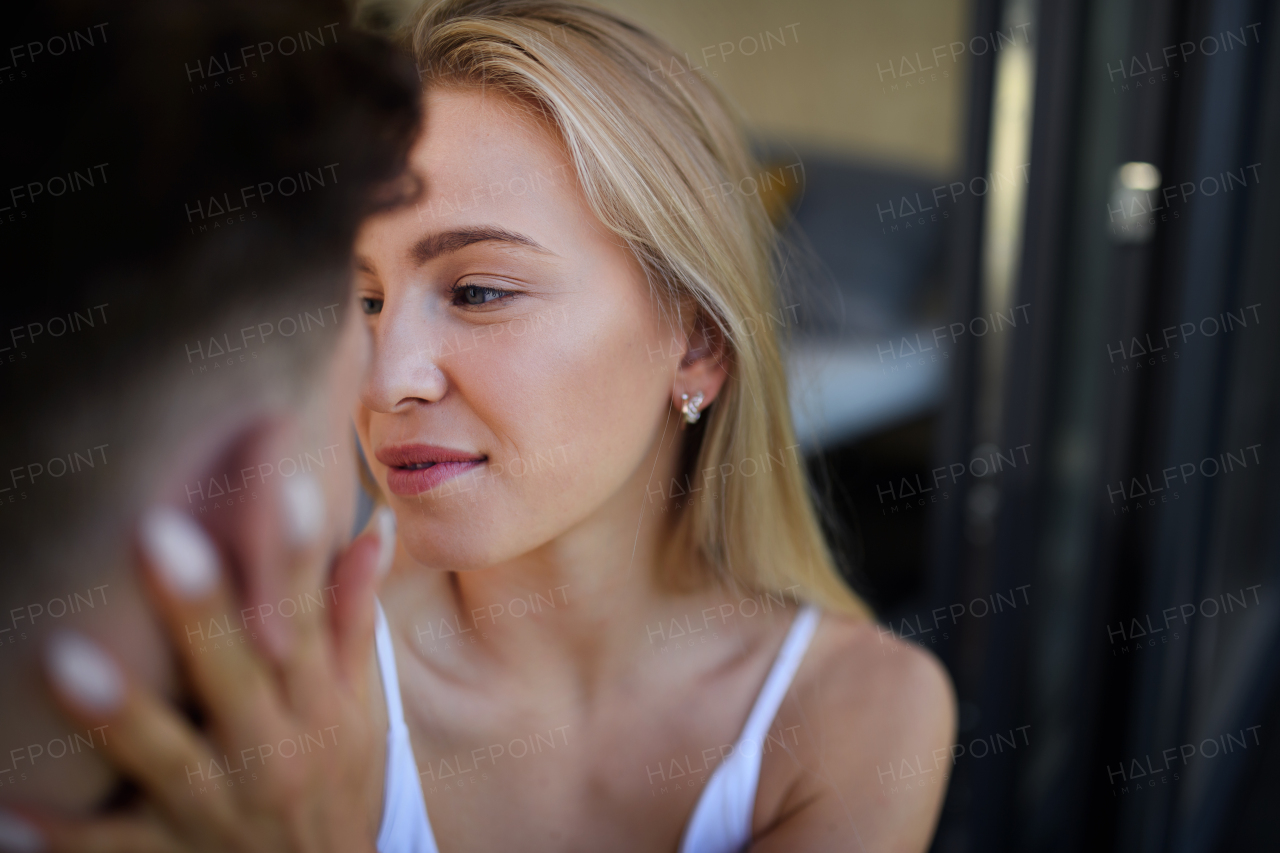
(721, 821)
(405, 827)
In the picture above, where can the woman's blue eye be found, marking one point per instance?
(370, 305)
(471, 294)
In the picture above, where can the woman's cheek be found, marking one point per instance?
(574, 405)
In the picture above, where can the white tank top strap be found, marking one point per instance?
(721, 819)
(781, 675)
(405, 827)
(387, 669)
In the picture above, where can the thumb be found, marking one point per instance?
(358, 574)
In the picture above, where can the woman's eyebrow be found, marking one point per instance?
(434, 245)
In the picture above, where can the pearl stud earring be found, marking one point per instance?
(690, 407)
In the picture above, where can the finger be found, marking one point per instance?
(185, 578)
(358, 574)
(142, 736)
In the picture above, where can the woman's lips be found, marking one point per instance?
(408, 481)
(416, 468)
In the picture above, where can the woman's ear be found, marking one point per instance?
(704, 366)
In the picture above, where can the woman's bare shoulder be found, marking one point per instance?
(862, 670)
(879, 695)
(869, 722)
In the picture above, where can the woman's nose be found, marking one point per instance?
(403, 371)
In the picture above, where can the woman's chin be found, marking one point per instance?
(436, 547)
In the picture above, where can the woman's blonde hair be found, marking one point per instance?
(654, 147)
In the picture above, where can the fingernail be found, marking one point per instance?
(386, 539)
(303, 508)
(17, 835)
(181, 550)
(84, 673)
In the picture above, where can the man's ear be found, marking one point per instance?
(236, 491)
(704, 366)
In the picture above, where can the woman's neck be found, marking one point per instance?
(600, 579)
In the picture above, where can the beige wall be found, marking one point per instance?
(821, 88)
(815, 83)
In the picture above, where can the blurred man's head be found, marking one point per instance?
(180, 184)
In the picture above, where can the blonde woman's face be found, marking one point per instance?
(516, 346)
